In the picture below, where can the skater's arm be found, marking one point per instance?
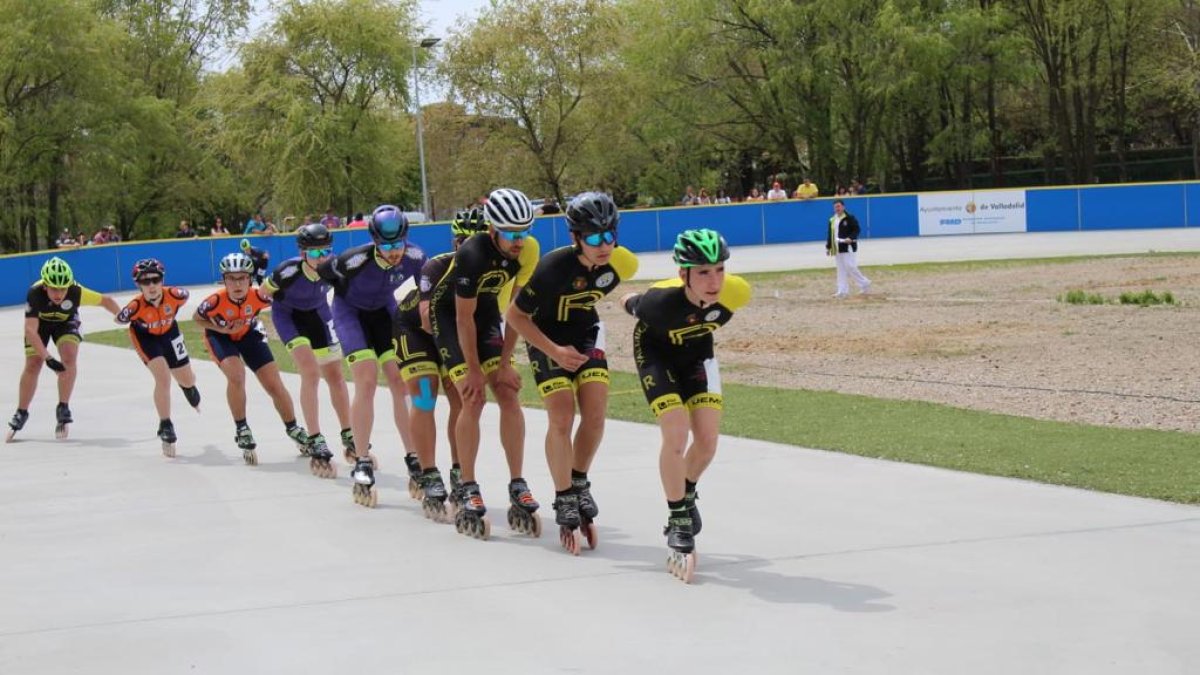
(111, 305)
(34, 340)
(423, 309)
(520, 322)
(629, 302)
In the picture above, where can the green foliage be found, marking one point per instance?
(1079, 297)
(1147, 298)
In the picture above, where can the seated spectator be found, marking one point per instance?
(331, 221)
(101, 237)
(357, 221)
(857, 188)
(777, 192)
(81, 239)
(65, 240)
(185, 230)
(689, 197)
(113, 236)
(755, 195)
(218, 228)
(842, 191)
(807, 189)
(723, 198)
(704, 197)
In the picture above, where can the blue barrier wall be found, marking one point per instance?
(194, 261)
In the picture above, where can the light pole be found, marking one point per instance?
(425, 43)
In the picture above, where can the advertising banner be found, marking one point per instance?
(971, 212)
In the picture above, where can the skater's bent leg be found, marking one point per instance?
(512, 427)
(268, 377)
(593, 406)
(235, 385)
(310, 379)
(560, 417)
(671, 465)
(706, 428)
(339, 395)
(68, 350)
(467, 431)
(422, 426)
(184, 375)
(391, 373)
(456, 407)
(162, 386)
(29, 381)
(365, 373)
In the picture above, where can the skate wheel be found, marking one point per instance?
(535, 525)
(8, 438)
(414, 490)
(682, 566)
(589, 533)
(60, 432)
(168, 449)
(250, 457)
(570, 539)
(483, 528)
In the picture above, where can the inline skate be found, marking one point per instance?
(522, 510)
(166, 434)
(319, 457)
(471, 518)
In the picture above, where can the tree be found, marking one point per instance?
(541, 63)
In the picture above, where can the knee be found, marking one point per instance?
(560, 422)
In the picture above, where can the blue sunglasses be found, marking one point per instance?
(390, 247)
(514, 236)
(597, 238)
(317, 252)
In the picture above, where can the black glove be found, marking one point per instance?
(54, 364)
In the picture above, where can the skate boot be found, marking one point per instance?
(166, 434)
(245, 441)
(681, 560)
(300, 437)
(567, 517)
(433, 496)
(414, 476)
(363, 474)
(471, 519)
(319, 456)
(16, 424)
(192, 394)
(454, 503)
(689, 500)
(522, 512)
(587, 510)
(62, 413)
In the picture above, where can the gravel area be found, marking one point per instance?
(990, 337)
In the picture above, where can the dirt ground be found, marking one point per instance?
(987, 337)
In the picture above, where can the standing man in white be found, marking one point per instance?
(841, 242)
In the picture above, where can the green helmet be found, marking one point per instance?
(56, 273)
(467, 223)
(700, 247)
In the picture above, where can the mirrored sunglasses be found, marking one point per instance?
(317, 252)
(597, 238)
(514, 236)
(394, 246)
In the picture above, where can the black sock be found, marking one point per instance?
(23, 411)
(289, 425)
(241, 424)
(564, 493)
(456, 465)
(578, 477)
(689, 487)
(676, 507)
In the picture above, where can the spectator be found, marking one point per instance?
(185, 230)
(857, 188)
(81, 239)
(841, 242)
(101, 237)
(65, 240)
(755, 195)
(704, 197)
(842, 191)
(218, 228)
(256, 226)
(113, 236)
(357, 221)
(331, 221)
(550, 207)
(723, 197)
(807, 189)
(777, 192)
(689, 197)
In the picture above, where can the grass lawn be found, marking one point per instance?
(1157, 464)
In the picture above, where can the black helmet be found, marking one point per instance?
(592, 212)
(148, 267)
(313, 235)
(388, 225)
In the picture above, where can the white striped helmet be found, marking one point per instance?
(509, 210)
(236, 262)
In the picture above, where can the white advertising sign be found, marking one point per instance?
(971, 212)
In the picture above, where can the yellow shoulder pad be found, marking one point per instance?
(624, 262)
(735, 294)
